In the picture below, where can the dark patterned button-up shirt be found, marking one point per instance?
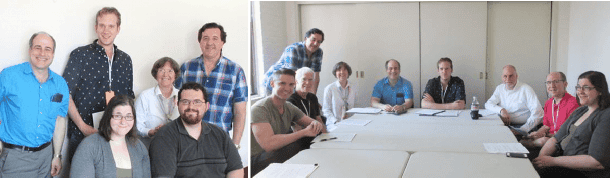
(87, 76)
(455, 90)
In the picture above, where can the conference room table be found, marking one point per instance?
(410, 132)
(433, 147)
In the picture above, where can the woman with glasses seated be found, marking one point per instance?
(581, 146)
(156, 106)
(114, 151)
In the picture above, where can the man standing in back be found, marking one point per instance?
(95, 73)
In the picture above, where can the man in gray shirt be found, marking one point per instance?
(271, 140)
(188, 147)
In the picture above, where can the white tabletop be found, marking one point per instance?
(420, 137)
(412, 118)
(467, 165)
(353, 163)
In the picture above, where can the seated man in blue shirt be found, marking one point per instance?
(33, 109)
(393, 93)
(444, 91)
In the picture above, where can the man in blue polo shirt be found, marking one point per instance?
(33, 108)
(392, 93)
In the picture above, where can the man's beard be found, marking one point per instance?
(190, 118)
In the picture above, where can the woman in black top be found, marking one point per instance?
(581, 146)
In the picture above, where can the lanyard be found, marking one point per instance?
(555, 115)
(167, 105)
(443, 92)
(344, 96)
(307, 108)
(110, 59)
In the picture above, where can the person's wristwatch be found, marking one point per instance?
(57, 156)
(237, 146)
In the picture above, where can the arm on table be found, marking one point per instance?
(375, 102)
(263, 133)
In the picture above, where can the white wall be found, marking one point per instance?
(150, 29)
(273, 31)
(589, 41)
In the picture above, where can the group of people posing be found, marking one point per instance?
(179, 128)
(571, 133)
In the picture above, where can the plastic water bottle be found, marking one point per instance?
(474, 108)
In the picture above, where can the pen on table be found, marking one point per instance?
(327, 139)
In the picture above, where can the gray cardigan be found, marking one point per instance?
(592, 137)
(93, 158)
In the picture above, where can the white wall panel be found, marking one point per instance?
(519, 34)
(365, 35)
(456, 30)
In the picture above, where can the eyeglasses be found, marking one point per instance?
(119, 117)
(585, 88)
(166, 71)
(553, 82)
(188, 102)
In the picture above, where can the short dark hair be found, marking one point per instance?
(314, 31)
(223, 34)
(598, 80)
(276, 75)
(109, 10)
(105, 130)
(193, 86)
(445, 59)
(41, 33)
(161, 62)
(388, 61)
(339, 65)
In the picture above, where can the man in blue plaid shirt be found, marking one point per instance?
(223, 79)
(300, 54)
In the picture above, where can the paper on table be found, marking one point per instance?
(428, 112)
(505, 148)
(449, 113)
(356, 122)
(336, 137)
(280, 170)
(364, 110)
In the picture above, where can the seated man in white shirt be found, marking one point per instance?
(516, 102)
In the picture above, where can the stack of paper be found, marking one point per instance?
(449, 113)
(279, 170)
(364, 110)
(335, 137)
(505, 148)
(428, 112)
(356, 122)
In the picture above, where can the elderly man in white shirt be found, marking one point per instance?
(516, 102)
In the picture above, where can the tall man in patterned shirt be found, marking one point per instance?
(33, 107)
(95, 73)
(444, 91)
(223, 79)
(301, 54)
